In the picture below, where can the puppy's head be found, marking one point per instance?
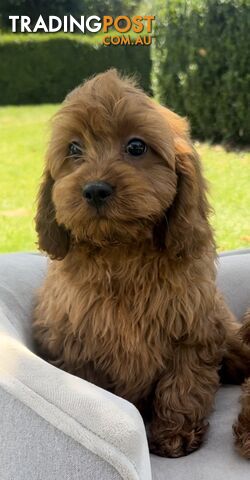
(120, 169)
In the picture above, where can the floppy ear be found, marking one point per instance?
(187, 230)
(52, 238)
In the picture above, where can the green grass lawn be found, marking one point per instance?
(24, 134)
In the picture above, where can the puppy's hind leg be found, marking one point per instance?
(242, 426)
(236, 360)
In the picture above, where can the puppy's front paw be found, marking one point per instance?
(242, 436)
(177, 445)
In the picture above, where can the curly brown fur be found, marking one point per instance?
(130, 301)
(242, 426)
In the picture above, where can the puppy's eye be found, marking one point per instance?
(136, 147)
(75, 149)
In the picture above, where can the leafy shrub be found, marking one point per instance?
(201, 65)
(44, 68)
(62, 7)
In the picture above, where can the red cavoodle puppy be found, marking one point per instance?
(130, 301)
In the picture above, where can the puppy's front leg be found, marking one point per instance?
(183, 398)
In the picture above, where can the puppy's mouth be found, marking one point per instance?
(103, 227)
(100, 213)
(107, 233)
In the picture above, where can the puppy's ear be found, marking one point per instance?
(187, 230)
(52, 238)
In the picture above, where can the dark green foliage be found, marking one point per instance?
(34, 8)
(44, 71)
(201, 66)
(110, 7)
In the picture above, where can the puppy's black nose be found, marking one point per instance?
(96, 193)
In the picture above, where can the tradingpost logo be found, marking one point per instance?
(121, 30)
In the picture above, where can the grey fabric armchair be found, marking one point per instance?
(55, 426)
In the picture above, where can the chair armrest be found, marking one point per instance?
(32, 448)
(101, 423)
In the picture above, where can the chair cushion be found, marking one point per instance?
(234, 280)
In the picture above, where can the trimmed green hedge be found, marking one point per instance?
(201, 65)
(45, 69)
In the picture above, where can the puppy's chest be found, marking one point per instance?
(120, 323)
(105, 310)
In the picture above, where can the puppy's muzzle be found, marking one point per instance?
(97, 193)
